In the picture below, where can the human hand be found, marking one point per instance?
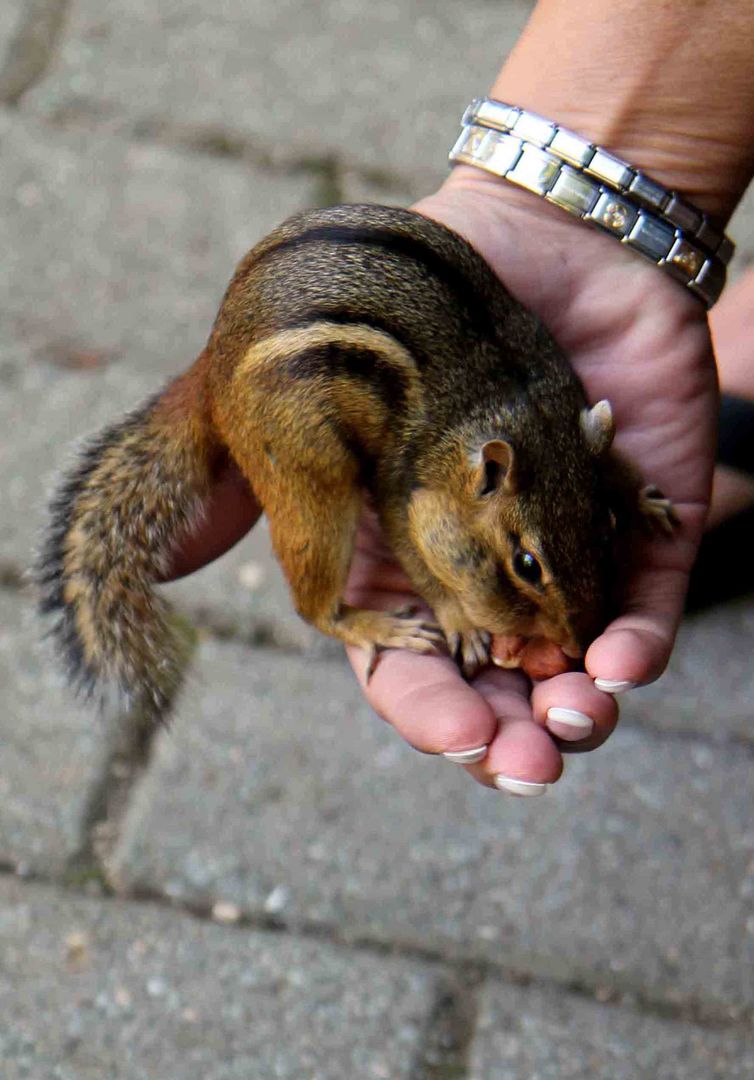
(636, 338)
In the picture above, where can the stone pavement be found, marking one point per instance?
(276, 886)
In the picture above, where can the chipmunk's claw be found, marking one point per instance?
(373, 655)
(657, 512)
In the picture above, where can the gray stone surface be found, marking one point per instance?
(139, 243)
(29, 33)
(10, 16)
(742, 230)
(638, 868)
(709, 685)
(356, 187)
(548, 1035)
(297, 81)
(51, 749)
(93, 989)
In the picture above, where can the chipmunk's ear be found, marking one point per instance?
(497, 468)
(598, 427)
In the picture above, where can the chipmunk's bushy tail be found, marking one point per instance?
(137, 488)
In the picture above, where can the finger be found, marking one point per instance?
(578, 715)
(436, 711)
(227, 516)
(635, 648)
(426, 700)
(522, 758)
(732, 325)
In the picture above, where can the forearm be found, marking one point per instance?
(666, 84)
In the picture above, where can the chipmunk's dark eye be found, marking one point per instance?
(527, 567)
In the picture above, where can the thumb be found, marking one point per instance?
(228, 514)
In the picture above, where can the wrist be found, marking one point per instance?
(549, 260)
(630, 77)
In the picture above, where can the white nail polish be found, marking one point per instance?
(466, 757)
(569, 723)
(526, 788)
(614, 686)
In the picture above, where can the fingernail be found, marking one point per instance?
(614, 686)
(466, 757)
(569, 723)
(525, 788)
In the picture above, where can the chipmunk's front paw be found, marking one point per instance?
(469, 646)
(377, 630)
(470, 649)
(657, 511)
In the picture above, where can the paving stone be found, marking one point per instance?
(380, 85)
(709, 685)
(51, 750)
(93, 989)
(140, 242)
(10, 16)
(277, 790)
(548, 1035)
(116, 258)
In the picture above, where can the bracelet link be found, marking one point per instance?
(574, 191)
(652, 237)
(648, 192)
(572, 147)
(487, 149)
(616, 215)
(535, 170)
(610, 169)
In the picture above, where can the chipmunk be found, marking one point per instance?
(357, 349)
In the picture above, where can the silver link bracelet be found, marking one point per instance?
(598, 188)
